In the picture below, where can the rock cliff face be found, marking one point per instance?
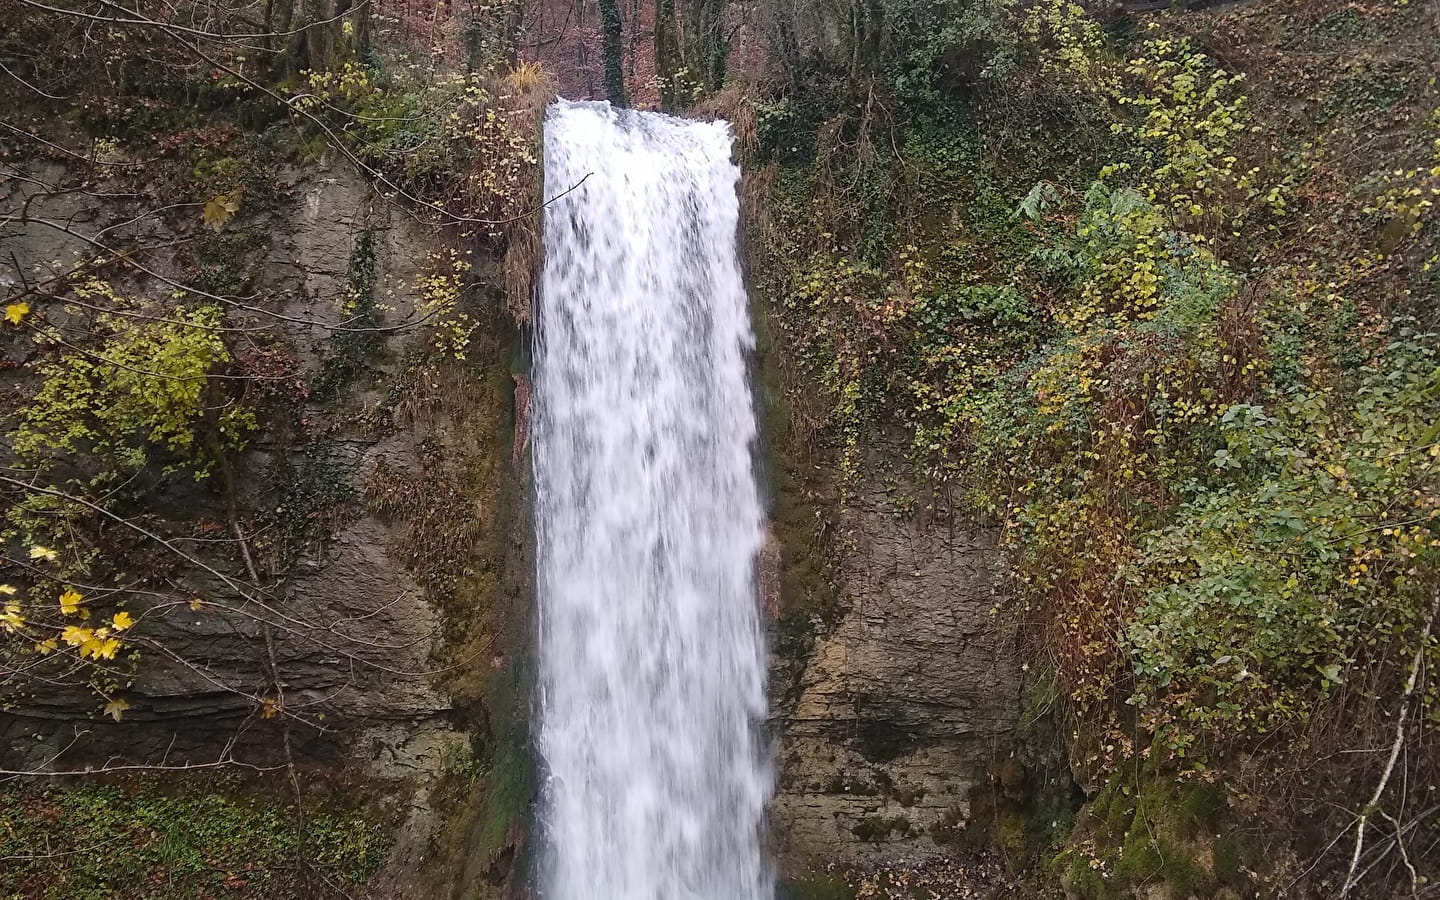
(332, 589)
(903, 703)
(383, 520)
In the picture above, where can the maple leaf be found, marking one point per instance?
(100, 645)
(14, 312)
(70, 601)
(47, 647)
(122, 621)
(75, 636)
(45, 553)
(116, 708)
(196, 603)
(101, 649)
(269, 709)
(7, 590)
(11, 620)
(218, 211)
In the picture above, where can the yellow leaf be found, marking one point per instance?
(47, 646)
(14, 312)
(100, 646)
(70, 601)
(74, 635)
(11, 620)
(269, 709)
(122, 621)
(196, 603)
(43, 553)
(7, 590)
(116, 708)
(218, 211)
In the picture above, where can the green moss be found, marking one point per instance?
(1202, 806)
(880, 828)
(1140, 859)
(1086, 882)
(802, 495)
(142, 839)
(1146, 859)
(1012, 835)
(467, 539)
(507, 797)
(819, 887)
(1151, 829)
(1119, 814)
(1182, 871)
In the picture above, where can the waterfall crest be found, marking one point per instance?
(652, 673)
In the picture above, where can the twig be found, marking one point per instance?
(1401, 718)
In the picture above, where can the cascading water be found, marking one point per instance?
(651, 658)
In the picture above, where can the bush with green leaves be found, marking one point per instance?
(146, 387)
(1308, 549)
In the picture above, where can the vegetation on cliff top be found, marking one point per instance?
(1151, 293)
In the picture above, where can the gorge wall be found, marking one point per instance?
(184, 710)
(908, 697)
(381, 507)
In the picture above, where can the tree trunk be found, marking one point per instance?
(284, 12)
(319, 39)
(703, 46)
(717, 49)
(315, 47)
(268, 25)
(613, 48)
(667, 52)
(363, 37)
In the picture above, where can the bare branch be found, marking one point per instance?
(1372, 807)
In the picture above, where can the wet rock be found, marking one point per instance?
(902, 704)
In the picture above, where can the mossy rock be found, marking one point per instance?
(817, 887)
(1119, 814)
(879, 828)
(1154, 832)
(1202, 806)
(179, 837)
(1140, 860)
(1084, 881)
(1012, 835)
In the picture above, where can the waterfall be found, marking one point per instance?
(652, 677)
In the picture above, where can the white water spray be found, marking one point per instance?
(651, 657)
